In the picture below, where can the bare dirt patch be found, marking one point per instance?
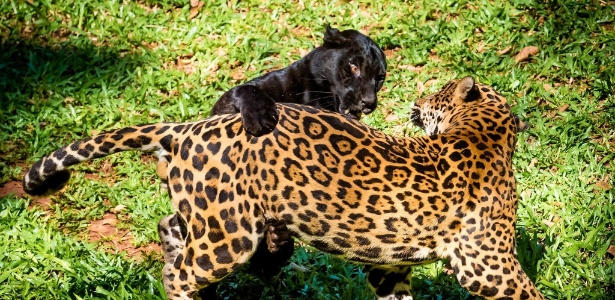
(118, 239)
(12, 187)
(15, 188)
(392, 53)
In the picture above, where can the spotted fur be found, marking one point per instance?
(340, 187)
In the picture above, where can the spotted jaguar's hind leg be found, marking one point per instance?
(206, 255)
(390, 283)
(192, 271)
(492, 273)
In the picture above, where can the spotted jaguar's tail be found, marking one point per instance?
(49, 174)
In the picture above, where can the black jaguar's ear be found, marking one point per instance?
(466, 88)
(334, 37)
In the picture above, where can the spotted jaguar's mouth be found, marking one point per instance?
(415, 117)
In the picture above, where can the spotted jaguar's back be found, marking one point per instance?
(341, 187)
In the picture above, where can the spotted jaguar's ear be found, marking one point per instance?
(521, 126)
(466, 89)
(334, 38)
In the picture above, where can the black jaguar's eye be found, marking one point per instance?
(379, 81)
(355, 70)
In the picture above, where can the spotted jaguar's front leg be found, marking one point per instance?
(492, 273)
(390, 283)
(161, 167)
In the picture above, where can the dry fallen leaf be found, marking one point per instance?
(298, 268)
(390, 53)
(430, 82)
(548, 223)
(183, 61)
(547, 87)
(118, 208)
(104, 227)
(194, 11)
(480, 48)
(238, 75)
(221, 52)
(558, 204)
(533, 162)
(504, 51)
(611, 250)
(603, 185)
(411, 68)
(391, 118)
(110, 222)
(420, 87)
(525, 53)
(194, 3)
(107, 167)
(563, 108)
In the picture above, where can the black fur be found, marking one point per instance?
(323, 78)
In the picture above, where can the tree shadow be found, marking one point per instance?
(29, 69)
(43, 70)
(578, 28)
(530, 250)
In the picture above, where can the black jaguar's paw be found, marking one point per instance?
(259, 119)
(277, 235)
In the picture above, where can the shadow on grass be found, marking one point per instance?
(39, 75)
(530, 250)
(572, 29)
(29, 70)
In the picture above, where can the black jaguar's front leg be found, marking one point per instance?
(275, 252)
(258, 110)
(277, 235)
(389, 282)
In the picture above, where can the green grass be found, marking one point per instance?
(68, 68)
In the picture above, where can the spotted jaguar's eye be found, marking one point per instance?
(355, 70)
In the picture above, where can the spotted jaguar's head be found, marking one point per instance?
(463, 102)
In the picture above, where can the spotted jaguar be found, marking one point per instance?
(340, 187)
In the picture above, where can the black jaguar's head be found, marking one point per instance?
(355, 69)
